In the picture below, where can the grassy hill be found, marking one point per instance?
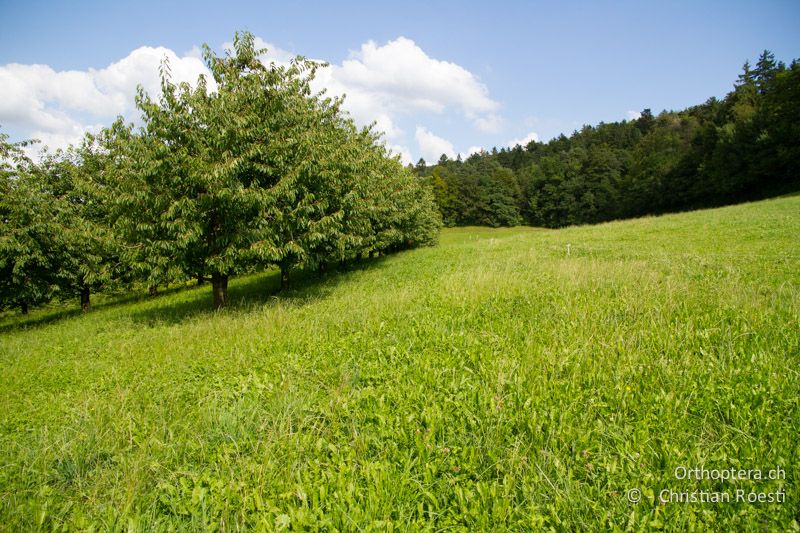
(493, 382)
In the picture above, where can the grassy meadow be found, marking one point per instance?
(494, 382)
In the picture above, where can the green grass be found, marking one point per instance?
(490, 383)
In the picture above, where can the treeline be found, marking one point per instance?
(745, 147)
(242, 172)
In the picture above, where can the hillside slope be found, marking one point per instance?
(495, 381)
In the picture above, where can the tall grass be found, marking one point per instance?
(493, 382)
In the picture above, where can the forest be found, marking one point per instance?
(743, 147)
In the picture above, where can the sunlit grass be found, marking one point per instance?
(493, 382)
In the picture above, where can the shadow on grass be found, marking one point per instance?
(70, 308)
(43, 318)
(254, 291)
(243, 293)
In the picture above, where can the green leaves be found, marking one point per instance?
(742, 147)
(35, 236)
(260, 172)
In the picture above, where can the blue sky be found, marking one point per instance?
(437, 76)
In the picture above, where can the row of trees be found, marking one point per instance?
(743, 147)
(247, 171)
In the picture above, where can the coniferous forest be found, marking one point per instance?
(743, 147)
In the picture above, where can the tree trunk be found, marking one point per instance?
(323, 267)
(284, 278)
(152, 291)
(85, 299)
(23, 306)
(219, 285)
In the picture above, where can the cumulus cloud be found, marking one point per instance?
(532, 136)
(398, 78)
(432, 146)
(58, 107)
(403, 74)
(402, 151)
(385, 84)
(489, 124)
(633, 115)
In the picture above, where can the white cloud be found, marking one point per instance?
(489, 124)
(383, 83)
(60, 139)
(633, 115)
(432, 146)
(59, 107)
(386, 84)
(141, 66)
(402, 151)
(401, 71)
(195, 52)
(532, 136)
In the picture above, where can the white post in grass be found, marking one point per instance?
(568, 246)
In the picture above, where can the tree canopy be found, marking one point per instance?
(743, 147)
(248, 170)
